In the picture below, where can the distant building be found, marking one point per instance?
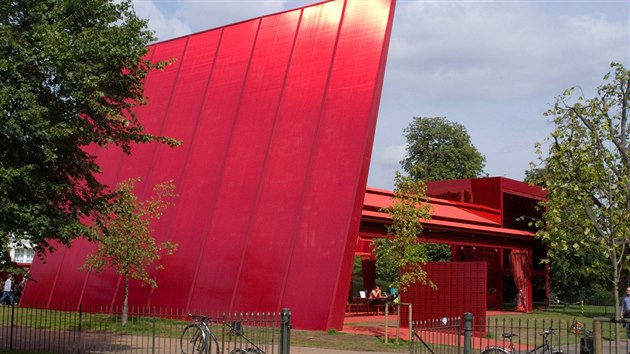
(22, 253)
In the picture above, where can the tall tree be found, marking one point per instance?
(572, 274)
(403, 252)
(125, 242)
(71, 74)
(440, 150)
(587, 170)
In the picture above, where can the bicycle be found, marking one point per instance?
(236, 330)
(197, 337)
(546, 346)
(586, 336)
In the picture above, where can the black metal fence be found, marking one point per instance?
(442, 336)
(520, 336)
(91, 329)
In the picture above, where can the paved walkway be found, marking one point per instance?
(302, 350)
(373, 326)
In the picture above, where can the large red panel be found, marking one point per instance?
(277, 115)
(461, 288)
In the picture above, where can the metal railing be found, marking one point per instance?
(610, 335)
(442, 335)
(87, 329)
(454, 336)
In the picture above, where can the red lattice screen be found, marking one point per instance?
(461, 287)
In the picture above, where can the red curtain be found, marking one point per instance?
(521, 264)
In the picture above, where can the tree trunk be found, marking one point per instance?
(125, 309)
(618, 314)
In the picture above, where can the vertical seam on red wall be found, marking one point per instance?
(118, 166)
(235, 120)
(187, 147)
(265, 163)
(209, 219)
(149, 171)
(354, 222)
(206, 227)
(165, 116)
(193, 139)
(308, 175)
(54, 284)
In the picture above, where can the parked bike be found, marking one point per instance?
(545, 347)
(197, 337)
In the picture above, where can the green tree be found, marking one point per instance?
(403, 252)
(587, 176)
(570, 273)
(71, 74)
(440, 150)
(125, 241)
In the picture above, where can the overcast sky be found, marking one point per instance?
(492, 66)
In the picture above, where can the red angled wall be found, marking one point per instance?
(277, 115)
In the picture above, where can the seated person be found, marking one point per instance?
(394, 295)
(375, 295)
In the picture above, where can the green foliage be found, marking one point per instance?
(573, 274)
(403, 252)
(440, 150)
(125, 242)
(437, 252)
(587, 178)
(576, 274)
(534, 175)
(71, 76)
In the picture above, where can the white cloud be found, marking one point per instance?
(165, 25)
(496, 50)
(391, 156)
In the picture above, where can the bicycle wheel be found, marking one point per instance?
(193, 340)
(253, 351)
(238, 351)
(212, 339)
(495, 351)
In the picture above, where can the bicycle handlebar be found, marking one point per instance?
(545, 333)
(199, 318)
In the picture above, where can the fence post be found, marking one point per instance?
(468, 319)
(285, 331)
(12, 325)
(153, 340)
(80, 345)
(411, 345)
(386, 322)
(597, 335)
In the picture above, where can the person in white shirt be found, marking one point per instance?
(7, 291)
(625, 311)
